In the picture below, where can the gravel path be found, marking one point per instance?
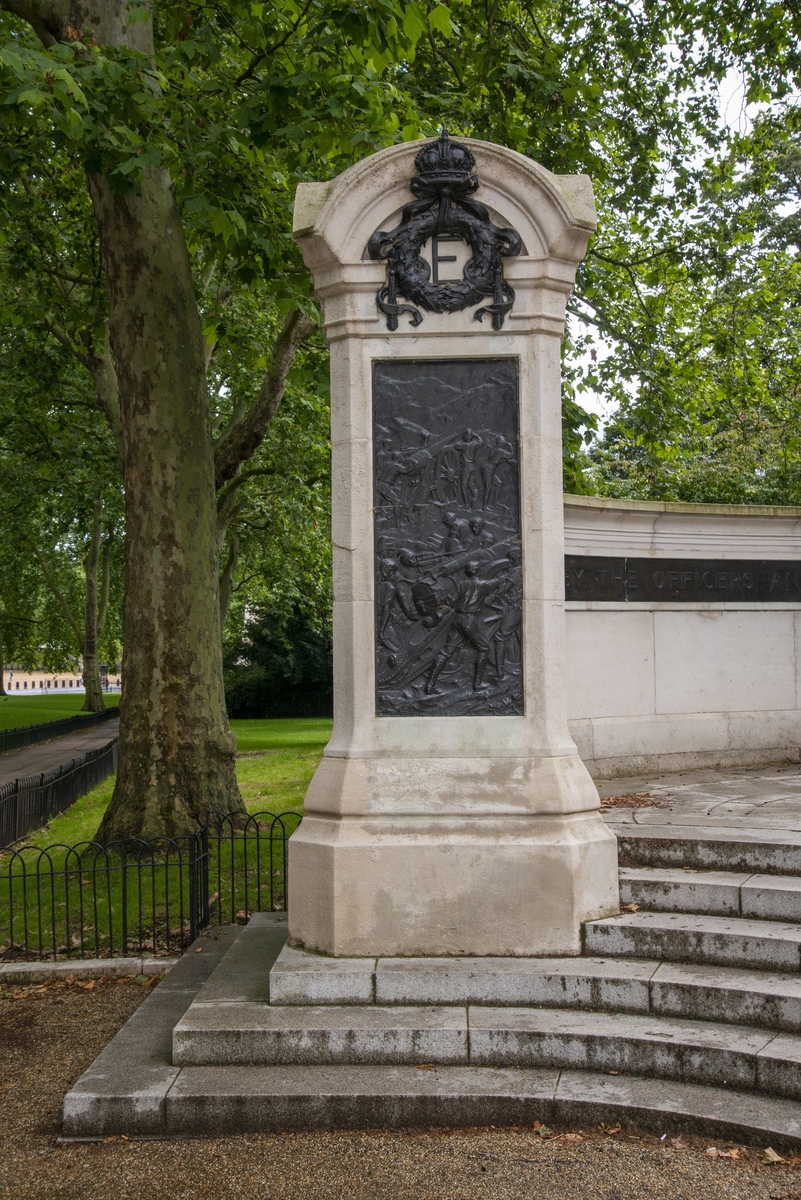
(50, 1033)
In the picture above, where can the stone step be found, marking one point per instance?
(718, 893)
(134, 1088)
(692, 938)
(762, 851)
(725, 1055)
(263, 1034)
(231, 1100)
(738, 996)
(738, 1056)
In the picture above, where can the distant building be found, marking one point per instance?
(19, 679)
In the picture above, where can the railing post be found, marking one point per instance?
(124, 933)
(204, 875)
(193, 889)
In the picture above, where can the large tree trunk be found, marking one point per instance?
(2, 664)
(177, 752)
(93, 698)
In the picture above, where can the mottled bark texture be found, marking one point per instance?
(177, 752)
(2, 663)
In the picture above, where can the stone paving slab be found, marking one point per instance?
(761, 796)
(243, 974)
(298, 977)
(771, 897)
(229, 1100)
(273, 1099)
(714, 893)
(46, 756)
(581, 982)
(674, 889)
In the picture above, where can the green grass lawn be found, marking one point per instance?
(276, 762)
(273, 775)
(35, 710)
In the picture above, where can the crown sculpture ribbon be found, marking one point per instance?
(444, 184)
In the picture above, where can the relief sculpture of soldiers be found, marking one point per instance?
(447, 538)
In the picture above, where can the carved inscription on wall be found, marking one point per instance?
(448, 578)
(687, 580)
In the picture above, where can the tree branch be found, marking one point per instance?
(62, 603)
(48, 18)
(105, 581)
(239, 441)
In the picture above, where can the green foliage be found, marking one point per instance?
(680, 298)
(280, 655)
(708, 396)
(56, 458)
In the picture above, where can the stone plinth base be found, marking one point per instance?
(489, 885)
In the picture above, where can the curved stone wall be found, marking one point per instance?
(683, 634)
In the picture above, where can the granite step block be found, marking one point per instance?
(261, 1034)
(555, 982)
(299, 977)
(739, 997)
(691, 1051)
(229, 1100)
(672, 889)
(763, 851)
(684, 937)
(716, 893)
(771, 898)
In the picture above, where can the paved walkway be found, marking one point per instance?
(765, 797)
(46, 756)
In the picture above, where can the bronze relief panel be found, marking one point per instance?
(448, 574)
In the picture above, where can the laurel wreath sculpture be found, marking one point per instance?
(444, 185)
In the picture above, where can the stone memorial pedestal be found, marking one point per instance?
(451, 814)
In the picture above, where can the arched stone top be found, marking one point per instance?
(554, 214)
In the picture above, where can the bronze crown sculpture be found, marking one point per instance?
(444, 184)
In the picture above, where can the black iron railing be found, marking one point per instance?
(29, 735)
(141, 897)
(30, 802)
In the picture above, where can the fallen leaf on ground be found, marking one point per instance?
(541, 1129)
(89, 984)
(630, 908)
(572, 1137)
(679, 1144)
(424, 1067)
(609, 1129)
(770, 1156)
